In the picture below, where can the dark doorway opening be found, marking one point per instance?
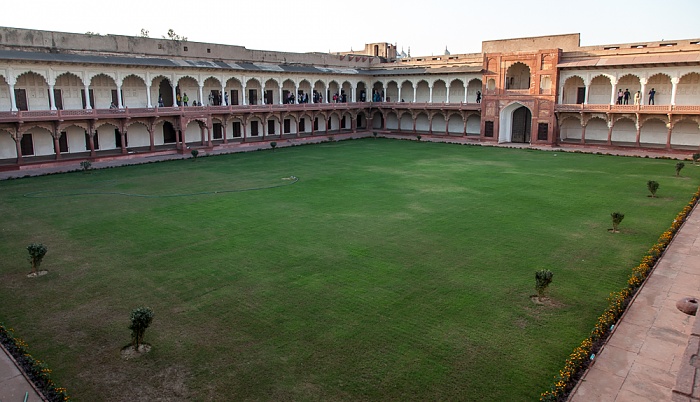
(253, 97)
(165, 90)
(271, 127)
(254, 128)
(169, 134)
(218, 131)
(268, 97)
(580, 95)
(63, 142)
(234, 97)
(315, 123)
(236, 126)
(302, 125)
(58, 98)
(287, 126)
(27, 145)
(21, 99)
(522, 119)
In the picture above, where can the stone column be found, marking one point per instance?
(56, 144)
(414, 94)
(88, 105)
(583, 133)
(668, 136)
(13, 101)
(465, 101)
(52, 98)
(243, 102)
(639, 131)
(149, 103)
(447, 97)
(643, 90)
(674, 88)
(613, 94)
(430, 92)
(18, 146)
(175, 95)
(201, 94)
(280, 93)
(399, 100)
(152, 140)
(221, 96)
(353, 91)
(610, 128)
(123, 135)
(120, 102)
(588, 90)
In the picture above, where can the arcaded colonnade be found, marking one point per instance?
(127, 95)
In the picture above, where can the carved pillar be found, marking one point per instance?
(638, 126)
(610, 129)
(613, 94)
(148, 96)
(52, 98)
(588, 90)
(430, 94)
(120, 102)
(674, 88)
(13, 100)
(583, 132)
(18, 144)
(56, 143)
(88, 104)
(643, 91)
(668, 136)
(123, 135)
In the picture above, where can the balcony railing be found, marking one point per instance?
(82, 114)
(629, 108)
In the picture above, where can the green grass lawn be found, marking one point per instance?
(392, 270)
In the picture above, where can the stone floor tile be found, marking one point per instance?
(598, 386)
(629, 337)
(615, 360)
(626, 395)
(641, 315)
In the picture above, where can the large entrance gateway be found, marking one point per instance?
(515, 123)
(522, 120)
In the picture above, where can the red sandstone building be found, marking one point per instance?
(70, 96)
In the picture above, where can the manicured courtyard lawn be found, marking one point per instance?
(392, 270)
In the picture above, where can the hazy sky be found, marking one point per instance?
(320, 26)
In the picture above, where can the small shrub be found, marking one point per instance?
(616, 220)
(140, 320)
(543, 278)
(273, 144)
(37, 251)
(195, 153)
(679, 167)
(418, 137)
(652, 186)
(86, 165)
(696, 158)
(374, 134)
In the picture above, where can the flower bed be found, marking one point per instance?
(37, 371)
(581, 357)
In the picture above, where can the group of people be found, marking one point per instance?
(623, 98)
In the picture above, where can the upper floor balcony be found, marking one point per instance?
(646, 109)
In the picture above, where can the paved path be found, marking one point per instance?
(641, 360)
(13, 385)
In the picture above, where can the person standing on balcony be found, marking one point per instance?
(225, 98)
(211, 98)
(185, 99)
(478, 96)
(179, 99)
(160, 100)
(627, 96)
(619, 97)
(637, 97)
(651, 96)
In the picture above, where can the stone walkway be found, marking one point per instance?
(13, 385)
(640, 361)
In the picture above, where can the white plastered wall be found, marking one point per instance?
(8, 148)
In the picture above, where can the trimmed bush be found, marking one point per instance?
(616, 220)
(652, 186)
(140, 320)
(37, 251)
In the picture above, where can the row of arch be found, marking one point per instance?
(31, 90)
(602, 88)
(43, 139)
(650, 131)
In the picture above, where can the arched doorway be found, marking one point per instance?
(522, 119)
(515, 123)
